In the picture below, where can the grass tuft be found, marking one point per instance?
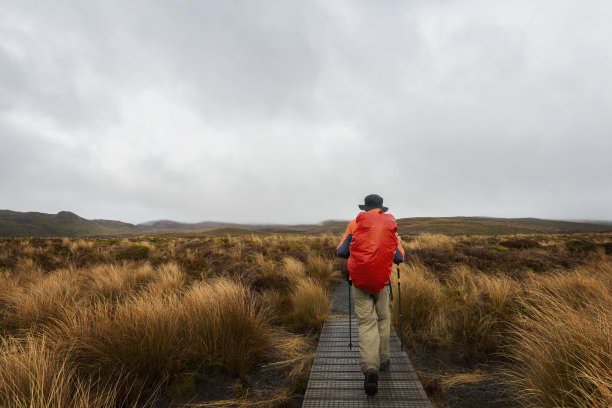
(564, 356)
(422, 304)
(32, 375)
(310, 304)
(227, 326)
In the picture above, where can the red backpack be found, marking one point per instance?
(372, 251)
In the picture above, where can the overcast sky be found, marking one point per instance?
(293, 111)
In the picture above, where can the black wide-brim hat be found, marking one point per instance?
(371, 202)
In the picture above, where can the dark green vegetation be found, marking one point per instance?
(67, 224)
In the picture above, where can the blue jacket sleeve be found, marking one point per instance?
(399, 258)
(344, 248)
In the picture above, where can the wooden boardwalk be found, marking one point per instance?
(336, 379)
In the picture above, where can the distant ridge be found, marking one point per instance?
(62, 224)
(172, 226)
(68, 224)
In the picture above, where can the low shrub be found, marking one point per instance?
(520, 243)
(577, 245)
(265, 282)
(133, 253)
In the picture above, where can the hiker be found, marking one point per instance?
(372, 246)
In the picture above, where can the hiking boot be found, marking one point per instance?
(385, 366)
(371, 381)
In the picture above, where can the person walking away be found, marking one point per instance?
(372, 246)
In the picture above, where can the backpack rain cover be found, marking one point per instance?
(372, 250)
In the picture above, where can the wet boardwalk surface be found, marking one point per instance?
(336, 379)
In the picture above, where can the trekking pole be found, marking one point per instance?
(350, 282)
(399, 300)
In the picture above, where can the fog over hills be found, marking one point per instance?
(68, 224)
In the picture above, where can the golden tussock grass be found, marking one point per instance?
(32, 375)
(583, 285)
(26, 270)
(236, 252)
(431, 241)
(293, 268)
(113, 281)
(479, 307)
(310, 304)
(74, 245)
(498, 293)
(266, 398)
(140, 336)
(322, 269)
(219, 324)
(169, 279)
(555, 327)
(452, 380)
(224, 305)
(36, 303)
(227, 326)
(564, 355)
(297, 354)
(422, 304)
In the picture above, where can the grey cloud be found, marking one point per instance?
(281, 111)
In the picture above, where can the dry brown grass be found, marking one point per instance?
(147, 312)
(32, 375)
(452, 380)
(219, 305)
(32, 305)
(564, 355)
(227, 326)
(310, 304)
(169, 279)
(422, 304)
(27, 270)
(583, 285)
(479, 307)
(113, 281)
(267, 398)
(432, 241)
(140, 336)
(555, 327)
(298, 353)
(322, 269)
(293, 268)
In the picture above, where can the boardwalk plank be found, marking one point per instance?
(336, 379)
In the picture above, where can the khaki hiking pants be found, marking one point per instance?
(374, 322)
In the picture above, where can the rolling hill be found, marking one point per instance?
(68, 224)
(62, 224)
